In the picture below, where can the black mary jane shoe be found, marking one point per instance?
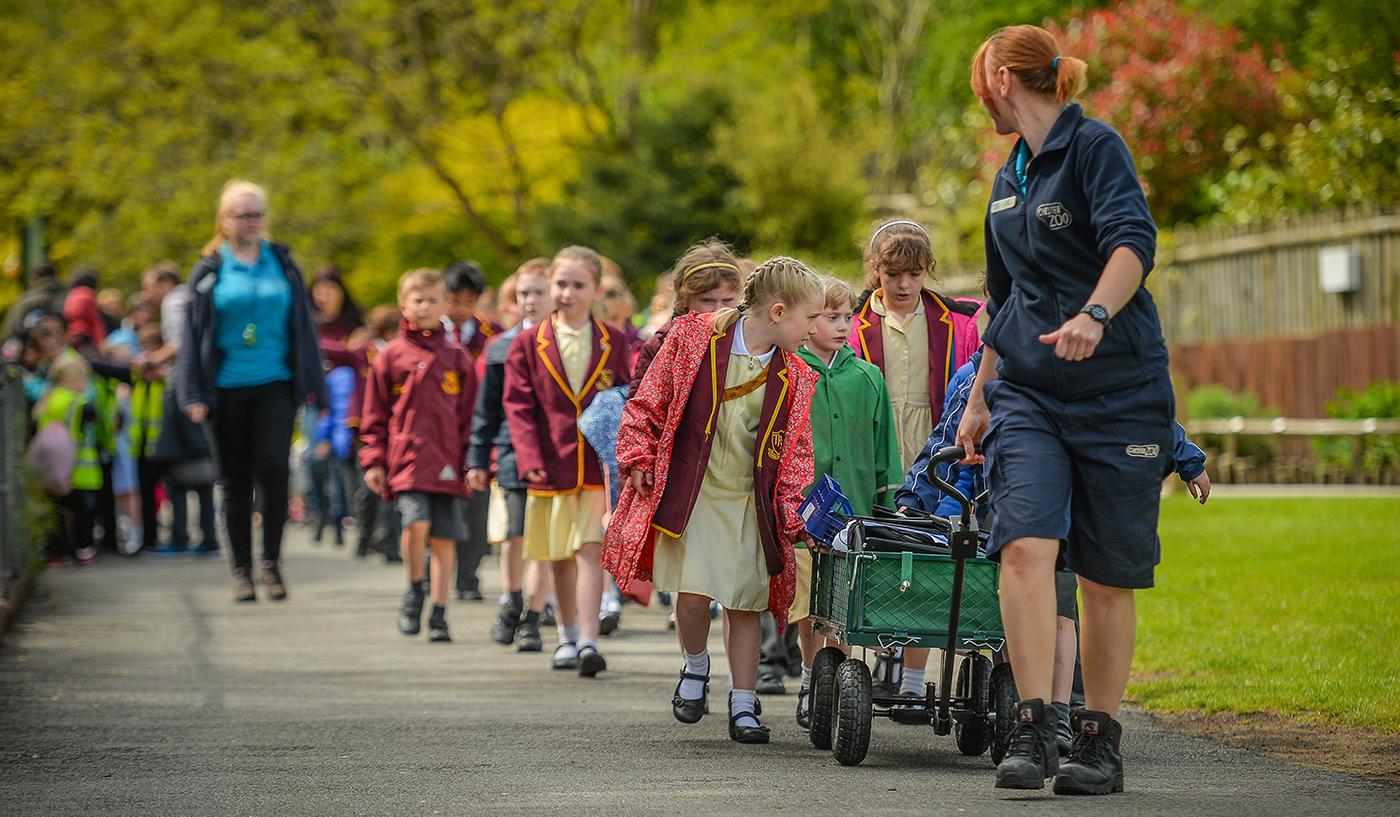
(804, 708)
(691, 711)
(745, 734)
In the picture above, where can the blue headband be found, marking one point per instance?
(1055, 64)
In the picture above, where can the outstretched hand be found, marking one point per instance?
(1076, 339)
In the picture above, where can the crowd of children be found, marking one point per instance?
(761, 380)
(94, 368)
(672, 457)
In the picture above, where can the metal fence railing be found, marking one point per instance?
(16, 540)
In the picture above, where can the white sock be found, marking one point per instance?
(695, 665)
(806, 677)
(568, 634)
(587, 642)
(742, 702)
(913, 681)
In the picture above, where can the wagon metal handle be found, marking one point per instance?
(855, 569)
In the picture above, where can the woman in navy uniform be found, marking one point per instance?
(1072, 405)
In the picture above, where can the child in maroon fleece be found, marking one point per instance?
(416, 430)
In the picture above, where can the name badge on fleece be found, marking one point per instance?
(1003, 204)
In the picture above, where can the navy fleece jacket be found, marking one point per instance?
(1047, 248)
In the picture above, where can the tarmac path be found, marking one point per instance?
(138, 687)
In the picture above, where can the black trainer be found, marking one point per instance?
(437, 628)
(411, 616)
(1095, 762)
(529, 640)
(1031, 754)
(507, 621)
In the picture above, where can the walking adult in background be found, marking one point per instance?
(335, 311)
(170, 299)
(45, 296)
(248, 361)
(1072, 404)
(337, 315)
(166, 296)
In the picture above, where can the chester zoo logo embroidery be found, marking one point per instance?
(451, 383)
(775, 446)
(605, 380)
(1055, 216)
(1144, 451)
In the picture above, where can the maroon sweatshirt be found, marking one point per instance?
(417, 417)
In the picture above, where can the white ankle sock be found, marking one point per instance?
(587, 642)
(742, 702)
(568, 634)
(913, 681)
(806, 677)
(695, 665)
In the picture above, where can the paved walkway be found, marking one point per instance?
(137, 687)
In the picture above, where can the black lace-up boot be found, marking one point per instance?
(1031, 755)
(1095, 762)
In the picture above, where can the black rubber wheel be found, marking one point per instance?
(824, 695)
(975, 684)
(1004, 700)
(850, 735)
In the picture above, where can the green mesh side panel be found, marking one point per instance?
(876, 602)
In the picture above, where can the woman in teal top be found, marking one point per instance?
(248, 361)
(254, 306)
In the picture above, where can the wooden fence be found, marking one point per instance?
(1245, 307)
(1262, 281)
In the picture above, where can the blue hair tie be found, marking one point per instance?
(1055, 63)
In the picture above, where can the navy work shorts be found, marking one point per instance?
(442, 512)
(1086, 472)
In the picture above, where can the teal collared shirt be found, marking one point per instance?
(253, 313)
(853, 433)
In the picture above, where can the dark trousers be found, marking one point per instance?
(180, 516)
(107, 510)
(377, 518)
(148, 473)
(779, 653)
(74, 533)
(470, 551)
(253, 427)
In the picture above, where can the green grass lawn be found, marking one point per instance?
(1275, 604)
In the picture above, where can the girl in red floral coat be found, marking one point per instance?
(718, 442)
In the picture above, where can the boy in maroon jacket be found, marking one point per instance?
(415, 432)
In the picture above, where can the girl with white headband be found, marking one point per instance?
(918, 338)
